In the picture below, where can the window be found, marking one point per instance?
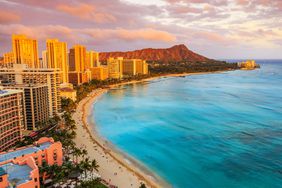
(1, 179)
(35, 179)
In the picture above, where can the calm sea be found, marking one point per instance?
(203, 131)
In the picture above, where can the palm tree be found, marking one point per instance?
(84, 153)
(93, 166)
(76, 153)
(142, 185)
(86, 166)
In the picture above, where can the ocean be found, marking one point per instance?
(221, 130)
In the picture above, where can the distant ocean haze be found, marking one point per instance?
(210, 130)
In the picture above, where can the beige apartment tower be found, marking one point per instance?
(25, 51)
(11, 118)
(57, 57)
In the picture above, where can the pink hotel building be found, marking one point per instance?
(19, 168)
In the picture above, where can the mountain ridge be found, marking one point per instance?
(176, 53)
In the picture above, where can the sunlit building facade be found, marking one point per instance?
(249, 64)
(115, 67)
(132, 67)
(11, 117)
(25, 51)
(141, 66)
(100, 73)
(9, 57)
(129, 67)
(92, 59)
(57, 57)
(21, 74)
(36, 104)
(20, 168)
(77, 58)
(44, 59)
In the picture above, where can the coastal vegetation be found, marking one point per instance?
(191, 67)
(76, 163)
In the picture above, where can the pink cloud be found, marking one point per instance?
(38, 32)
(243, 2)
(212, 37)
(7, 17)
(86, 12)
(130, 35)
(212, 2)
(86, 35)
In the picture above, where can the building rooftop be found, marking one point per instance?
(67, 90)
(4, 92)
(2, 171)
(17, 174)
(24, 151)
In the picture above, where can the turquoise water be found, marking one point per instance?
(204, 131)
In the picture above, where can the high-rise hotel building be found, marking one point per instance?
(57, 57)
(77, 58)
(9, 57)
(11, 118)
(35, 104)
(99, 73)
(22, 75)
(115, 67)
(25, 51)
(92, 59)
(44, 59)
(77, 65)
(132, 67)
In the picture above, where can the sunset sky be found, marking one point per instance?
(215, 28)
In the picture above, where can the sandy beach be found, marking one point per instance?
(116, 168)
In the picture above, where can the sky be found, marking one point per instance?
(219, 29)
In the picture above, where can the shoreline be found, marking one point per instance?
(135, 173)
(168, 75)
(115, 167)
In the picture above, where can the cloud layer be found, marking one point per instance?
(215, 28)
